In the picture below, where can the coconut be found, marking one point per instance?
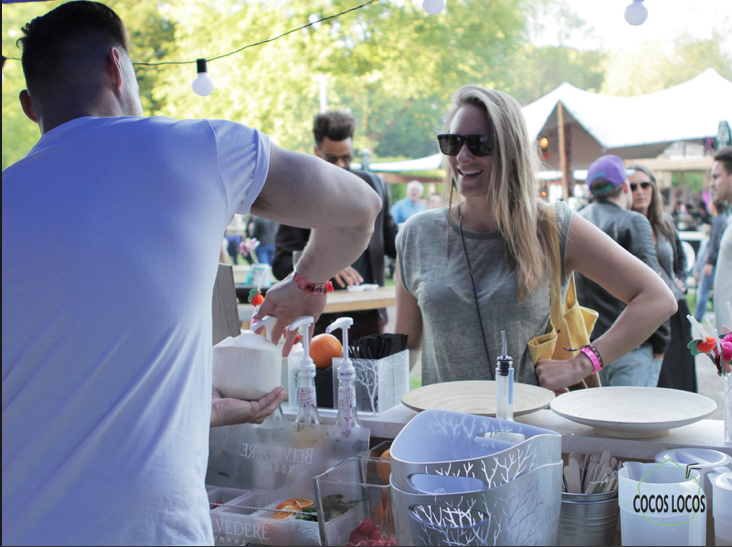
(247, 367)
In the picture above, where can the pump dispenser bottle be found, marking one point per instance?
(308, 411)
(504, 383)
(347, 415)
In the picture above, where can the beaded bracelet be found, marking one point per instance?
(592, 353)
(309, 286)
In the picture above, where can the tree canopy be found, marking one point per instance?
(393, 65)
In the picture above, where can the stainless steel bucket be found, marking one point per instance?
(588, 519)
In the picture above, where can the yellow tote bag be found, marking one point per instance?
(570, 324)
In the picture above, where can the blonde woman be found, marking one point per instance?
(467, 271)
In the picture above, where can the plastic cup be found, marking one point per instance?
(658, 507)
(722, 508)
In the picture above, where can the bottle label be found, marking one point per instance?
(307, 396)
(510, 386)
(346, 398)
(347, 375)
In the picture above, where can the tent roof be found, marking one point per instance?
(689, 111)
(630, 127)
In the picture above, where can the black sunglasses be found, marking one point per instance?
(332, 158)
(479, 145)
(644, 185)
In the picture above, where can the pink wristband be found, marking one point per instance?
(591, 354)
(309, 286)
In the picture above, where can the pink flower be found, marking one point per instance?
(248, 245)
(727, 348)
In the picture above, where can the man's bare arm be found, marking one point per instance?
(339, 207)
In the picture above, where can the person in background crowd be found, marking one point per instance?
(608, 182)
(410, 205)
(435, 202)
(106, 410)
(264, 231)
(333, 132)
(722, 185)
(471, 270)
(719, 210)
(234, 232)
(678, 370)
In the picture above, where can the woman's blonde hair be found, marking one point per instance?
(522, 218)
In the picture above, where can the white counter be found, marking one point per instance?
(575, 437)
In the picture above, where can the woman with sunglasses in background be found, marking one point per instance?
(678, 370)
(468, 271)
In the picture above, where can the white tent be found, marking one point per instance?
(629, 127)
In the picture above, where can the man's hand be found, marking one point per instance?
(558, 375)
(228, 411)
(348, 276)
(708, 269)
(680, 283)
(287, 302)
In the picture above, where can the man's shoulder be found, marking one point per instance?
(372, 179)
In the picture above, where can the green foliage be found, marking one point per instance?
(546, 68)
(394, 66)
(691, 180)
(652, 69)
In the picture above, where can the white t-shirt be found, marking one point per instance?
(111, 232)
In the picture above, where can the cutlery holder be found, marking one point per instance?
(588, 519)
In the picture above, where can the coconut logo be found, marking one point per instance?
(666, 492)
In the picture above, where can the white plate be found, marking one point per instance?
(476, 397)
(633, 412)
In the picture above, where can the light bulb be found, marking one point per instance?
(433, 7)
(203, 84)
(636, 13)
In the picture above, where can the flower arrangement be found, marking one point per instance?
(718, 349)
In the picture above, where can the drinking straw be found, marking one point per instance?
(719, 344)
(716, 336)
(697, 326)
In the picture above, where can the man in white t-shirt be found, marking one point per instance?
(107, 395)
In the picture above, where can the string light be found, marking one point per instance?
(203, 84)
(433, 7)
(636, 13)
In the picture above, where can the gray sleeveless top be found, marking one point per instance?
(452, 345)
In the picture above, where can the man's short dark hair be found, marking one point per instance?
(724, 156)
(603, 194)
(58, 44)
(337, 125)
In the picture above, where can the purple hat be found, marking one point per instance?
(609, 168)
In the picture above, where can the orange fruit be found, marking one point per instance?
(323, 348)
(303, 503)
(383, 467)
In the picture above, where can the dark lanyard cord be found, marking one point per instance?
(475, 295)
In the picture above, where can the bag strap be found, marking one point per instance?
(556, 285)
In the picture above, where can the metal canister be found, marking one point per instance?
(588, 519)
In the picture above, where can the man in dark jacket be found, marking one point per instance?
(607, 180)
(333, 132)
